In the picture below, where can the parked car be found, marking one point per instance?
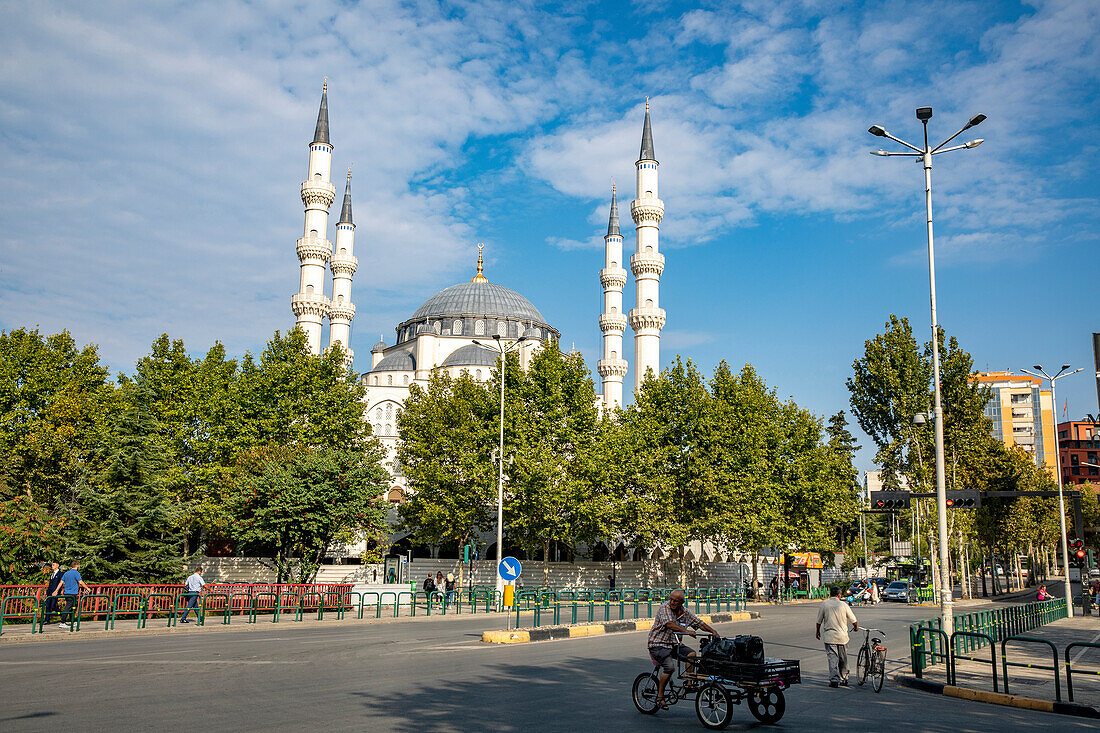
(897, 591)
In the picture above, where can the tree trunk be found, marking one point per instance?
(546, 562)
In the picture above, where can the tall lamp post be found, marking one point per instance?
(1058, 470)
(925, 155)
(500, 347)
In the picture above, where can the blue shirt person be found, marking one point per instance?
(70, 585)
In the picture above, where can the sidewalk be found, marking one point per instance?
(1033, 682)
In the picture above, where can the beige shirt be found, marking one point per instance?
(835, 617)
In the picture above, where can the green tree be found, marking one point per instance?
(300, 501)
(447, 432)
(125, 523)
(29, 535)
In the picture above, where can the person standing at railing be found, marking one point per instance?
(449, 586)
(193, 585)
(53, 574)
(71, 584)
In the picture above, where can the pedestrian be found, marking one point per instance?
(1042, 594)
(833, 617)
(70, 585)
(53, 574)
(611, 582)
(773, 588)
(1096, 594)
(429, 585)
(194, 585)
(449, 586)
(874, 593)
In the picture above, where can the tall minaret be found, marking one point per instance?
(612, 367)
(647, 210)
(309, 304)
(343, 265)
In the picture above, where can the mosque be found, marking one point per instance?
(442, 333)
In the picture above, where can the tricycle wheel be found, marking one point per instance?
(713, 706)
(644, 693)
(767, 706)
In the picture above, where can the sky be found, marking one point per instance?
(152, 154)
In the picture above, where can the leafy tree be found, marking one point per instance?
(29, 535)
(300, 501)
(553, 492)
(447, 433)
(125, 522)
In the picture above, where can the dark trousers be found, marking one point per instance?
(192, 605)
(49, 608)
(70, 606)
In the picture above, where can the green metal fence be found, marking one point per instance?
(929, 645)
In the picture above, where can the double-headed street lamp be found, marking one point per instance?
(1058, 469)
(503, 349)
(925, 155)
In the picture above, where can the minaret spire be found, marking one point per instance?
(612, 367)
(479, 277)
(647, 318)
(345, 212)
(309, 304)
(320, 134)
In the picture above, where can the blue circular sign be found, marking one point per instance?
(509, 568)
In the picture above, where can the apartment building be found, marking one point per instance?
(1022, 413)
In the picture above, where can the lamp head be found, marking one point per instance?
(496, 337)
(924, 113)
(1037, 367)
(975, 120)
(1065, 366)
(521, 339)
(880, 151)
(919, 419)
(974, 143)
(877, 130)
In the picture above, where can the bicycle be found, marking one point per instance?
(872, 660)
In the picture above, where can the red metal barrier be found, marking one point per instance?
(161, 604)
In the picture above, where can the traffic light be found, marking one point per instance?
(1077, 553)
(889, 501)
(964, 499)
(465, 553)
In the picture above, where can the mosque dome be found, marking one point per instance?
(471, 355)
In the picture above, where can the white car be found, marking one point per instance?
(897, 591)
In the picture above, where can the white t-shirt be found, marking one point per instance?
(195, 583)
(835, 617)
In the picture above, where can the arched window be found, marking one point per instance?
(406, 378)
(478, 375)
(614, 265)
(614, 354)
(389, 429)
(614, 309)
(649, 249)
(343, 251)
(456, 328)
(389, 379)
(376, 381)
(377, 429)
(649, 302)
(309, 290)
(389, 412)
(339, 298)
(313, 233)
(316, 176)
(502, 328)
(649, 194)
(378, 414)
(479, 328)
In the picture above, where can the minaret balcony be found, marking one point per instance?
(612, 277)
(647, 319)
(314, 248)
(611, 367)
(648, 263)
(612, 322)
(309, 304)
(318, 193)
(647, 210)
(341, 312)
(343, 265)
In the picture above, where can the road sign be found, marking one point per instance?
(509, 568)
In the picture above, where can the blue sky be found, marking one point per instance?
(152, 156)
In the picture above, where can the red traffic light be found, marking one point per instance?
(950, 502)
(880, 503)
(1080, 554)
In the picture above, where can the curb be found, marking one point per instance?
(551, 633)
(998, 698)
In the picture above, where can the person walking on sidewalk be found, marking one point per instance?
(53, 579)
(194, 585)
(833, 618)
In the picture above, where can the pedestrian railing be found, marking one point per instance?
(980, 629)
(1069, 670)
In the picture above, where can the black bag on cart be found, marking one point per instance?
(748, 649)
(744, 649)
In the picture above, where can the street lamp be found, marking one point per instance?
(503, 350)
(1058, 470)
(925, 154)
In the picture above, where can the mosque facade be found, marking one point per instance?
(461, 328)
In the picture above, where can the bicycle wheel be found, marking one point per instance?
(767, 706)
(713, 706)
(862, 665)
(878, 670)
(644, 693)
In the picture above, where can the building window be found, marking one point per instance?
(479, 328)
(378, 413)
(406, 380)
(502, 328)
(376, 381)
(649, 302)
(377, 429)
(389, 412)
(614, 354)
(478, 374)
(389, 379)
(309, 290)
(389, 429)
(649, 249)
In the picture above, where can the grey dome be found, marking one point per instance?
(401, 361)
(532, 333)
(471, 355)
(479, 299)
(380, 346)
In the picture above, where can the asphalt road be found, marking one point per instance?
(438, 676)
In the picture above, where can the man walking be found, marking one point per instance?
(71, 584)
(53, 574)
(833, 618)
(194, 585)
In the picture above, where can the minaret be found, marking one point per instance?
(612, 367)
(647, 210)
(343, 265)
(309, 304)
